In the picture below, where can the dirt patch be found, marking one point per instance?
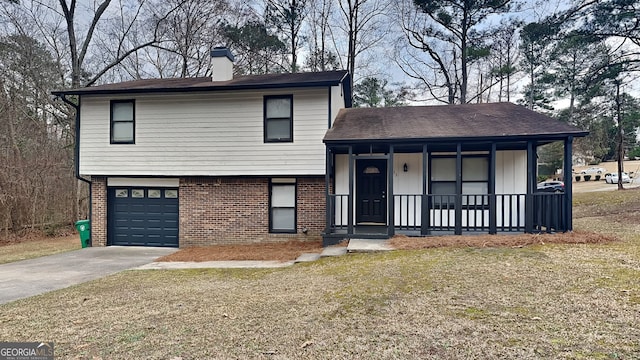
(576, 237)
(282, 251)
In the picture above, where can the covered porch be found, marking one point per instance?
(418, 182)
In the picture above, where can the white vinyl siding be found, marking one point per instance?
(337, 101)
(211, 134)
(511, 178)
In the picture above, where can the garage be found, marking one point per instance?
(140, 216)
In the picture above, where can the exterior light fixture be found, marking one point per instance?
(405, 167)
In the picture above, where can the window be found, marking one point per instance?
(282, 206)
(122, 122)
(278, 118)
(475, 181)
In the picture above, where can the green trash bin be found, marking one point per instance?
(84, 228)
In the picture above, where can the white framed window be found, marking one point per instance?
(278, 118)
(282, 206)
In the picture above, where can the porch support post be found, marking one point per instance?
(391, 231)
(492, 191)
(531, 175)
(424, 204)
(568, 187)
(458, 200)
(350, 197)
(327, 181)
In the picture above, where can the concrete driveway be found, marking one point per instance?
(27, 278)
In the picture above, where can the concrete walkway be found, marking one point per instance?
(367, 245)
(27, 278)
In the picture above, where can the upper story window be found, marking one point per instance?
(123, 122)
(278, 118)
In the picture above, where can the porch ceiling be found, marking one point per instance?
(505, 123)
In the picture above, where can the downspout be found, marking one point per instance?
(76, 151)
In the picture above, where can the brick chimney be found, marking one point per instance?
(221, 64)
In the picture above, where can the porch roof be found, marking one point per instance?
(494, 122)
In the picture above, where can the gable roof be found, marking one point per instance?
(267, 81)
(446, 122)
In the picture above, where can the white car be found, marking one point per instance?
(593, 170)
(612, 178)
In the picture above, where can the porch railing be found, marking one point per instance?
(478, 212)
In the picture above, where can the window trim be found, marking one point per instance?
(451, 206)
(132, 121)
(265, 119)
(283, 182)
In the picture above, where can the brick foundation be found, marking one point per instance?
(98, 211)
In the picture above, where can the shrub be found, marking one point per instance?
(578, 178)
(598, 177)
(542, 178)
(587, 177)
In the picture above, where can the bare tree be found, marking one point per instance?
(36, 186)
(450, 35)
(287, 17)
(70, 29)
(504, 49)
(361, 24)
(321, 57)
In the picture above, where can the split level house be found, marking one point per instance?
(224, 159)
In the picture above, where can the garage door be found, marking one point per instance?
(143, 216)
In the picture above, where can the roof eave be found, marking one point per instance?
(496, 138)
(89, 91)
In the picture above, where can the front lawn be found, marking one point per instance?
(545, 301)
(35, 245)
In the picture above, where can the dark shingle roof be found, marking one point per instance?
(268, 81)
(445, 122)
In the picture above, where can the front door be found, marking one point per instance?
(371, 191)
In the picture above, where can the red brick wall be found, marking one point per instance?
(311, 206)
(236, 210)
(98, 211)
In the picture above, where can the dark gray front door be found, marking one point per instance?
(139, 216)
(371, 188)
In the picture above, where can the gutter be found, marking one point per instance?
(76, 151)
(196, 89)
